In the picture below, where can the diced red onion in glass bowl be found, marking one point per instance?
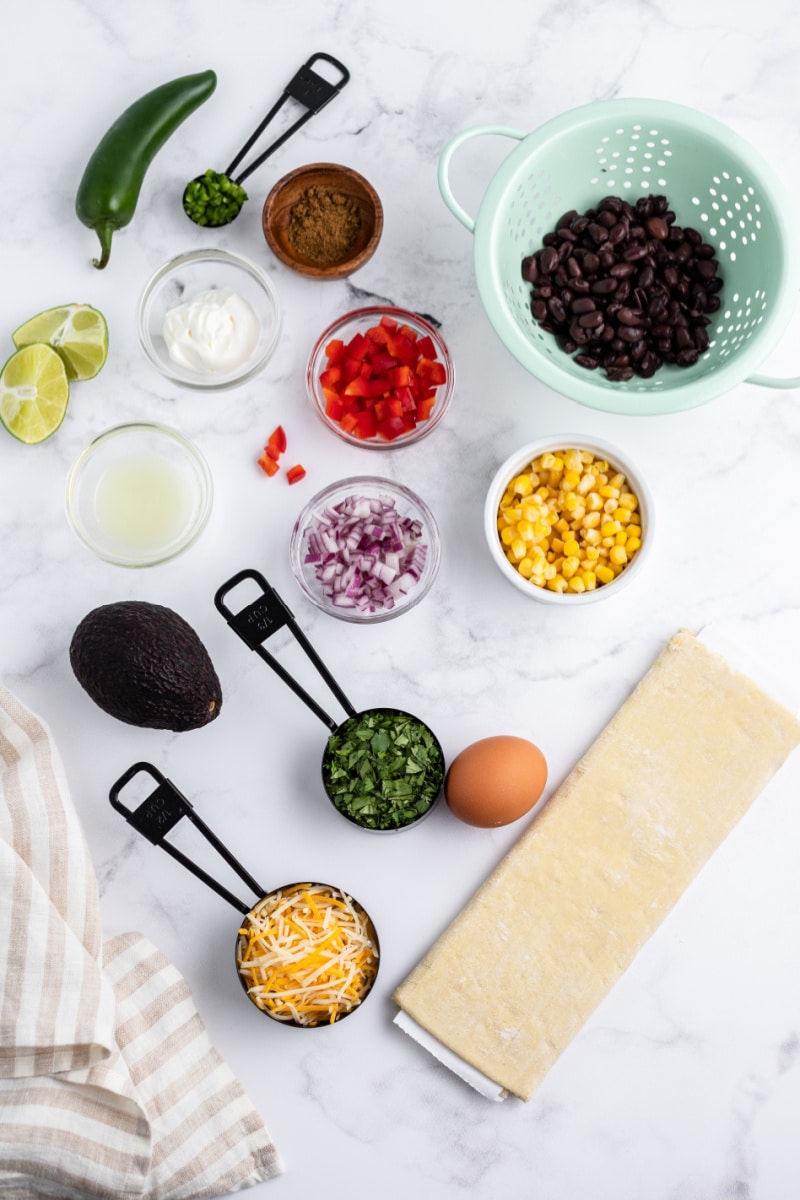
(365, 549)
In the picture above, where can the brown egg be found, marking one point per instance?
(495, 781)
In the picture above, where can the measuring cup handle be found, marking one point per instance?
(772, 381)
(444, 166)
(160, 812)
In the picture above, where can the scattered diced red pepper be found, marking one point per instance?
(276, 443)
(268, 464)
(382, 382)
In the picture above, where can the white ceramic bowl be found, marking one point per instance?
(515, 464)
(139, 494)
(406, 504)
(200, 271)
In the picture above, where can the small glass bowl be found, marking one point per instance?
(406, 504)
(200, 271)
(516, 464)
(139, 494)
(359, 321)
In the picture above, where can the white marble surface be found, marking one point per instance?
(685, 1084)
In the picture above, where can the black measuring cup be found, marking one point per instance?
(257, 621)
(306, 87)
(160, 812)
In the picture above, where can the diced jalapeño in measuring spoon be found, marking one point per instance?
(213, 199)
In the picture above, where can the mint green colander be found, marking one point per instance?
(714, 181)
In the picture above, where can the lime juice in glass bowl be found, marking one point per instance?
(139, 494)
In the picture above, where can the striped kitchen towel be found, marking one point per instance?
(109, 1084)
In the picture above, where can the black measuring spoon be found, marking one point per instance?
(398, 772)
(262, 934)
(216, 198)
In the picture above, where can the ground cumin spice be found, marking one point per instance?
(324, 225)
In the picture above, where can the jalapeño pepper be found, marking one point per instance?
(109, 190)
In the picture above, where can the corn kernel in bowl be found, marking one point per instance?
(566, 521)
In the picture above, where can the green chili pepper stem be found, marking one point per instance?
(105, 231)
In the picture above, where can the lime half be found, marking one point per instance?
(77, 331)
(34, 392)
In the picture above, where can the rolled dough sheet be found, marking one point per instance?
(520, 970)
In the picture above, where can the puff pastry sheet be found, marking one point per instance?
(523, 966)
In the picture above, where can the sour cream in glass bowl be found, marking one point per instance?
(209, 320)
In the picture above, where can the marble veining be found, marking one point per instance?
(685, 1084)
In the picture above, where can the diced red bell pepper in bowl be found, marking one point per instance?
(383, 382)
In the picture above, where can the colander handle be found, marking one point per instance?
(772, 381)
(444, 164)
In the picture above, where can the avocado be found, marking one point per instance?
(145, 665)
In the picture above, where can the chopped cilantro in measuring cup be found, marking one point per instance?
(383, 768)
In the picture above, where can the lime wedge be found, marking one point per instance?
(34, 392)
(77, 331)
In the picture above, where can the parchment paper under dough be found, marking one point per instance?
(520, 970)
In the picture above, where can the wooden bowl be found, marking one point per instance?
(330, 177)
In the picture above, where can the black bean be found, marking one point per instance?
(701, 338)
(574, 268)
(687, 358)
(604, 287)
(586, 360)
(622, 270)
(629, 316)
(705, 251)
(591, 320)
(630, 333)
(634, 253)
(539, 310)
(530, 268)
(706, 269)
(584, 304)
(657, 227)
(591, 263)
(548, 260)
(557, 310)
(579, 334)
(619, 374)
(578, 286)
(598, 233)
(683, 338)
(646, 276)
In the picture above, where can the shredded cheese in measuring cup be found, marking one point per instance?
(213, 333)
(306, 954)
